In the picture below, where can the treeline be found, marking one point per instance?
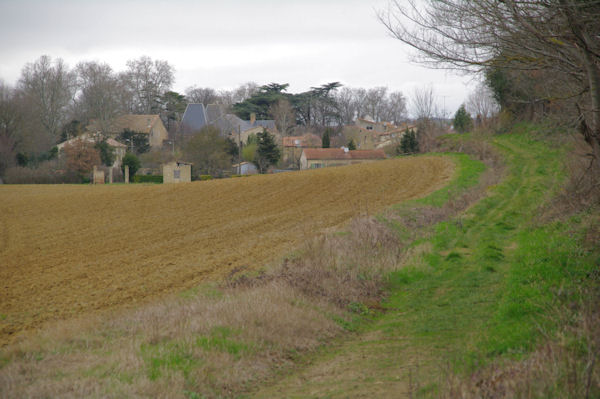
(52, 102)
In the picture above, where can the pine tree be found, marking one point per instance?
(408, 143)
(267, 152)
(462, 120)
(326, 141)
(351, 145)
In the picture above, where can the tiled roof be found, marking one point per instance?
(136, 123)
(114, 143)
(340, 153)
(308, 140)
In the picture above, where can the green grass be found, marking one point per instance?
(467, 175)
(184, 357)
(221, 340)
(489, 300)
(479, 292)
(170, 356)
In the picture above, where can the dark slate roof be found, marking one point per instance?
(194, 118)
(266, 123)
(214, 112)
(230, 123)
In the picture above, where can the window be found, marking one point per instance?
(176, 174)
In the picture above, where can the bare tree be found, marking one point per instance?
(481, 104)
(148, 81)
(346, 103)
(99, 93)
(395, 109)
(425, 109)
(10, 123)
(48, 88)
(284, 115)
(424, 103)
(202, 95)
(375, 102)
(360, 102)
(554, 35)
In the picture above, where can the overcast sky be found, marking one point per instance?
(222, 44)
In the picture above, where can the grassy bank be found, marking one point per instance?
(495, 301)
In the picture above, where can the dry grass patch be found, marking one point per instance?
(217, 340)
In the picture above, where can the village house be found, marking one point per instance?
(118, 148)
(392, 137)
(177, 172)
(293, 145)
(145, 124)
(313, 158)
(369, 124)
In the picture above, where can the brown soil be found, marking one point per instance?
(69, 250)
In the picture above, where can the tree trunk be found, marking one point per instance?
(594, 80)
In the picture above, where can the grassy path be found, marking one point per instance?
(473, 290)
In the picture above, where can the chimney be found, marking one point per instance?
(252, 118)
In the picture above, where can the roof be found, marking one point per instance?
(340, 153)
(231, 123)
(214, 112)
(178, 163)
(91, 138)
(243, 163)
(136, 123)
(266, 123)
(114, 143)
(194, 118)
(366, 119)
(308, 140)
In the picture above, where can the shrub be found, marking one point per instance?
(133, 162)
(45, 173)
(148, 179)
(205, 177)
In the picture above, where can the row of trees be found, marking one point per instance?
(51, 101)
(326, 105)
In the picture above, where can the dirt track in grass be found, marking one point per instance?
(67, 250)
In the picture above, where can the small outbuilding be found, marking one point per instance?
(244, 168)
(177, 172)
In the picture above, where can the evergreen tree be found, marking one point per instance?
(351, 145)
(462, 120)
(133, 162)
(267, 152)
(408, 143)
(326, 140)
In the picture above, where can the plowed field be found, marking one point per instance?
(68, 250)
